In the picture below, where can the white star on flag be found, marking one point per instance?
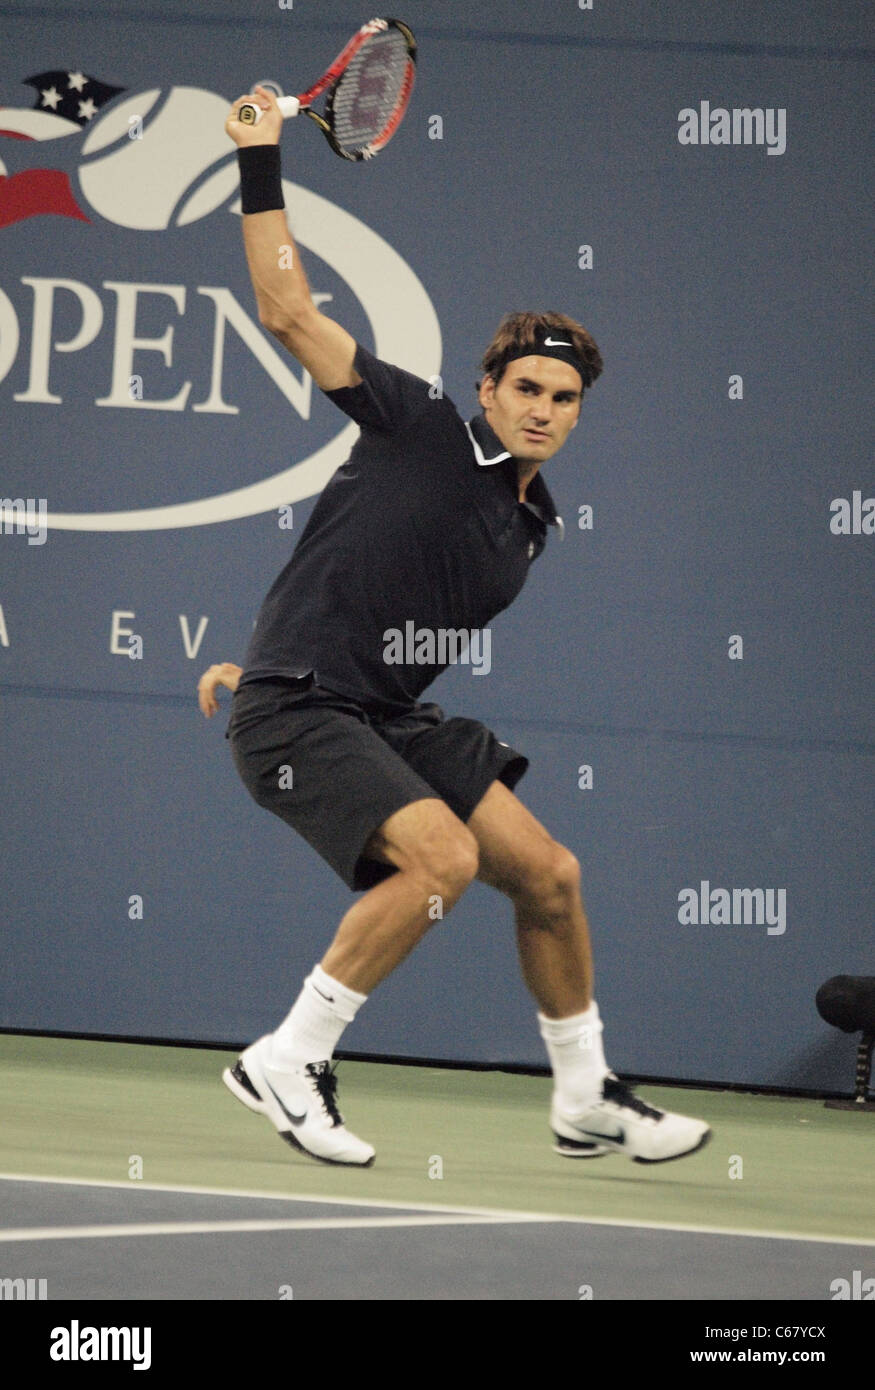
(86, 109)
(51, 96)
(76, 80)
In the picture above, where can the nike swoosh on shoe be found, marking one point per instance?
(619, 1138)
(295, 1119)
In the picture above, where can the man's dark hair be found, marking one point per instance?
(519, 330)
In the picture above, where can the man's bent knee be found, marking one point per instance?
(551, 877)
(566, 872)
(447, 861)
(427, 840)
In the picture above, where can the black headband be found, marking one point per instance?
(554, 344)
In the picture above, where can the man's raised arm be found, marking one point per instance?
(282, 293)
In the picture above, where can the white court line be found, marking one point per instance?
(496, 1214)
(204, 1228)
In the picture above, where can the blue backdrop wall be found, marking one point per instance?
(702, 638)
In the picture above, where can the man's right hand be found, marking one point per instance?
(285, 307)
(269, 128)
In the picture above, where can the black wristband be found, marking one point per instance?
(261, 187)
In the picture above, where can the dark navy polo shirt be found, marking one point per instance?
(423, 523)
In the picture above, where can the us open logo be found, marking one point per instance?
(158, 165)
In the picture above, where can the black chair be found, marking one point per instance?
(848, 1002)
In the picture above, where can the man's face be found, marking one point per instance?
(534, 406)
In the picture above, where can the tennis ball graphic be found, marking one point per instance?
(159, 159)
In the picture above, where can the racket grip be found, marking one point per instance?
(251, 115)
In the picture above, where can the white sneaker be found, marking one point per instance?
(301, 1105)
(623, 1123)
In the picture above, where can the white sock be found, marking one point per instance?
(577, 1057)
(312, 1029)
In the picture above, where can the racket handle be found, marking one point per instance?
(251, 115)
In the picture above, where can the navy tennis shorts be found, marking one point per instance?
(335, 769)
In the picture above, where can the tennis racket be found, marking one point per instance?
(369, 86)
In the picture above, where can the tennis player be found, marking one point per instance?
(429, 528)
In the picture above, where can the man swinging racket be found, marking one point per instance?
(433, 521)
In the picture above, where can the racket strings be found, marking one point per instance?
(370, 91)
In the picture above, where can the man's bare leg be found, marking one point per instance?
(592, 1111)
(542, 879)
(435, 855)
(286, 1075)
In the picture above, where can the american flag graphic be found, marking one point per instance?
(65, 102)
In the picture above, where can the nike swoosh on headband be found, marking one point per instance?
(556, 342)
(295, 1119)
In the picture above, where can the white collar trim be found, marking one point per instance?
(486, 463)
(478, 452)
